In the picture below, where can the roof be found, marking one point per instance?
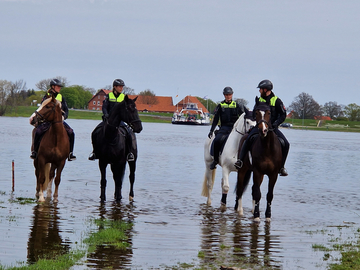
(190, 99)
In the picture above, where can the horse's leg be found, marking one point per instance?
(118, 170)
(256, 194)
(40, 182)
(132, 167)
(37, 178)
(57, 178)
(50, 174)
(225, 184)
(270, 195)
(242, 183)
(102, 167)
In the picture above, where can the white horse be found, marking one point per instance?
(227, 158)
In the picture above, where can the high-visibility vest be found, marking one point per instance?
(112, 97)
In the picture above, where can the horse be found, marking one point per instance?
(110, 146)
(264, 158)
(54, 148)
(227, 157)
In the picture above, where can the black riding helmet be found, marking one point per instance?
(56, 82)
(228, 91)
(265, 84)
(118, 82)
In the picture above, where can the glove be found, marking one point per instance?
(210, 134)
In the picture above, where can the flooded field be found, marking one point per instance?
(314, 205)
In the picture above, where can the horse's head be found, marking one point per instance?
(262, 117)
(49, 111)
(132, 116)
(245, 122)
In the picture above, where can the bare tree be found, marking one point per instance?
(128, 91)
(242, 101)
(332, 109)
(44, 85)
(5, 90)
(305, 106)
(15, 90)
(148, 97)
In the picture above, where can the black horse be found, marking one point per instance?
(264, 158)
(110, 146)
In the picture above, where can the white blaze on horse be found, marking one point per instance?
(227, 157)
(54, 147)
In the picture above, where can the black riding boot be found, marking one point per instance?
(72, 141)
(216, 156)
(244, 149)
(131, 143)
(35, 146)
(285, 151)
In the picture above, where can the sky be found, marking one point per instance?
(178, 48)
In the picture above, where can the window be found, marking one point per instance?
(94, 102)
(98, 103)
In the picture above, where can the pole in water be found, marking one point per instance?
(13, 176)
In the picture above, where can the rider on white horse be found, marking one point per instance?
(228, 111)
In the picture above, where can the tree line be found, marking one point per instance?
(16, 93)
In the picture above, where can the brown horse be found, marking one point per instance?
(54, 147)
(264, 158)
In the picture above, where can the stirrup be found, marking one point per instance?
(130, 157)
(238, 164)
(33, 155)
(213, 165)
(283, 172)
(71, 157)
(92, 156)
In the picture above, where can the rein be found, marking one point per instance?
(41, 118)
(266, 122)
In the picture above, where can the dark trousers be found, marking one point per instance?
(219, 140)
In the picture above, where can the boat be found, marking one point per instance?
(191, 115)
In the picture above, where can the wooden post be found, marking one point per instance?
(13, 176)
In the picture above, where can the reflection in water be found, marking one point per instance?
(45, 240)
(249, 243)
(108, 256)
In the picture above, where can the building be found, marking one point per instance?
(147, 103)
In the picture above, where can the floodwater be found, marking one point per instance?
(314, 205)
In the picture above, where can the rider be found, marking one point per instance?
(228, 111)
(38, 132)
(278, 115)
(108, 104)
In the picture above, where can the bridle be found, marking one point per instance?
(42, 118)
(264, 121)
(244, 126)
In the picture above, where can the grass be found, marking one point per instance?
(110, 233)
(26, 111)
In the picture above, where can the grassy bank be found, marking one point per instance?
(306, 124)
(26, 111)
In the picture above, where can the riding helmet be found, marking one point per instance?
(56, 82)
(265, 84)
(228, 90)
(118, 82)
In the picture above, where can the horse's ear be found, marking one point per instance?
(256, 100)
(126, 98)
(246, 110)
(135, 98)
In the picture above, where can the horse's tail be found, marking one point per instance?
(205, 189)
(47, 175)
(245, 181)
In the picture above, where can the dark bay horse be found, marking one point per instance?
(264, 158)
(110, 146)
(54, 147)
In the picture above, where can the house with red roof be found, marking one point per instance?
(147, 103)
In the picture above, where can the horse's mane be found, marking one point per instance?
(262, 107)
(48, 100)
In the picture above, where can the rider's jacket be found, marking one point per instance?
(227, 113)
(277, 109)
(64, 106)
(109, 102)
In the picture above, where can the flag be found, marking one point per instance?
(205, 97)
(176, 95)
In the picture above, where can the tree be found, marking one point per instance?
(128, 91)
(352, 111)
(5, 91)
(208, 103)
(149, 97)
(242, 101)
(45, 84)
(332, 109)
(304, 106)
(77, 96)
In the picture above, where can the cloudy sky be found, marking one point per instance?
(183, 47)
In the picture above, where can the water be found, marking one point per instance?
(313, 205)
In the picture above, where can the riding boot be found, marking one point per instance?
(72, 141)
(131, 143)
(285, 151)
(35, 144)
(244, 149)
(216, 156)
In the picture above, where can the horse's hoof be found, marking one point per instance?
(257, 220)
(268, 220)
(208, 203)
(223, 207)
(131, 198)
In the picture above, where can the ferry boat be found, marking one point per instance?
(191, 115)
